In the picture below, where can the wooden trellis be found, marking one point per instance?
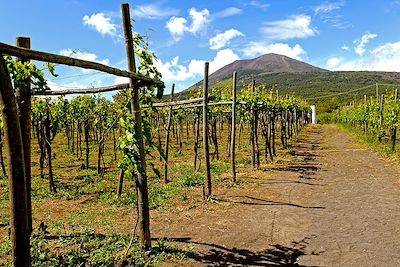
(19, 153)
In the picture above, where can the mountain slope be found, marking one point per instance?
(293, 77)
(268, 63)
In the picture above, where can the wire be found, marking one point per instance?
(77, 75)
(341, 93)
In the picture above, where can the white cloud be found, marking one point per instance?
(153, 11)
(177, 26)
(101, 23)
(200, 20)
(345, 47)
(333, 63)
(254, 49)
(385, 57)
(174, 72)
(83, 55)
(228, 12)
(53, 86)
(259, 4)
(360, 43)
(121, 80)
(297, 26)
(222, 39)
(328, 12)
(327, 7)
(223, 57)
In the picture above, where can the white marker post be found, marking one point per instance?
(313, 114)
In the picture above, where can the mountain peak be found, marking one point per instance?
(268, 63)
(257, 67)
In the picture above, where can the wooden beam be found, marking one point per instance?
(178, 103)
(70, 61)
(71, 91)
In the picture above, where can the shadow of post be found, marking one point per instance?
(274, 255)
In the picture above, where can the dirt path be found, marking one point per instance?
(330, 204)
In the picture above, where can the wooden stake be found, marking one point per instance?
(16, 171)
(141, 181)
(167, 135)
(394, 130)
(233, 128)
(24, 105)
(120, 183)
(207, 191)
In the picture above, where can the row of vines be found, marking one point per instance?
(378, 117)
(88, 122)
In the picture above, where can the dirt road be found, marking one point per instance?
(330, 203)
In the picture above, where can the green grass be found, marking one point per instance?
(85, 247)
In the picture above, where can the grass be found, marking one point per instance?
(85, 247)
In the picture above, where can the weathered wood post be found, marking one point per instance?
(167, 135)
(394, 130)
(233, 128)
(141, 181)
(252, 130)
(24, 105)
(382, 100)
(120, 183)
(207, 187)
(16, 171)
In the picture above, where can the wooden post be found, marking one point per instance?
(233, 128)
(394, 130)
(16, 171)
(24, 106)
(381, 110)
(141, 181)
(257, 146)
(377, 92)
(381, 116)
(253, 147)
(167, 135)
(255, 151)
(207, 188)
(120, 183)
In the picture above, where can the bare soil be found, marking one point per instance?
(330, 203)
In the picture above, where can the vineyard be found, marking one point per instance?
(377, 117)
(131, 152)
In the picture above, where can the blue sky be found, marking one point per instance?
(336, 35)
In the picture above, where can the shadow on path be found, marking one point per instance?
(263, 202)
(275, 255)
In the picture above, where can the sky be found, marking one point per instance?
(335, 35)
